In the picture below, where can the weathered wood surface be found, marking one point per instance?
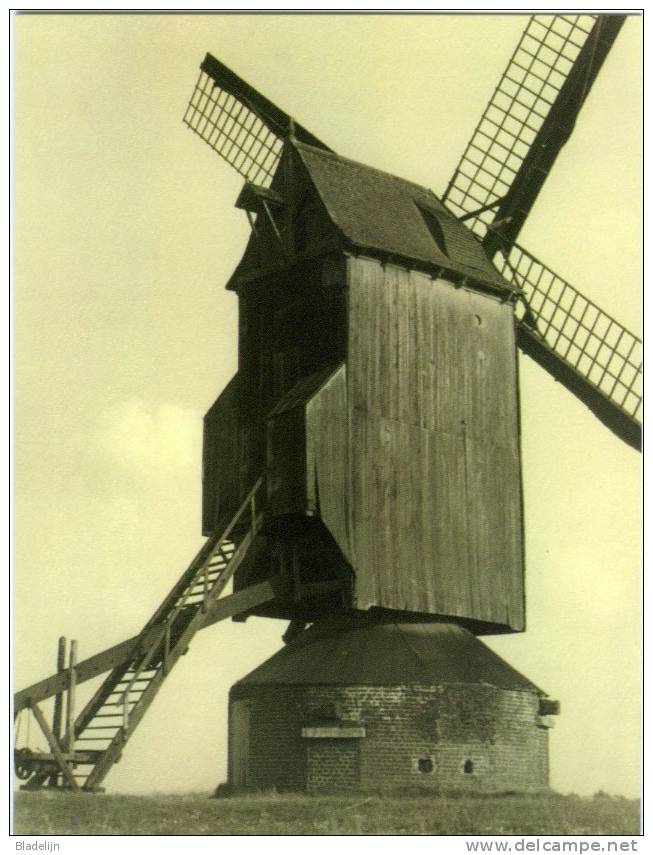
(286, 463)
(434, 509)
(409, 452)
(222, 485)
(327, 458)
(54, 747)
(71, 691)
(58, 700)
(311, 415)
(291, 324)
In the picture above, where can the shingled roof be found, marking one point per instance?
(360, 650)
(376, 211)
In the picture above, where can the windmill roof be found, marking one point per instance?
(360, 650)
(381, 212)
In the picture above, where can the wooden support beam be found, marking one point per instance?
(296, 576)
(179, 648)
(70, 697)
(319, 589)
(86, 670)
(58, 701)
(166, 645)
(58, 698)
(241, 601)
(77, 757)
(294, 628)
(54, 747)
(225, 607)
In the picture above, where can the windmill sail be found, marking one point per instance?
(527, 121)
(241, 125)
(582, 346)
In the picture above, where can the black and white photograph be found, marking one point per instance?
(327, 404)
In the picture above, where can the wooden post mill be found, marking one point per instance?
(361, 471)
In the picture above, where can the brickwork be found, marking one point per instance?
(332, 765)
(446, 738)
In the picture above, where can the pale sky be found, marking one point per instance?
(125, 236)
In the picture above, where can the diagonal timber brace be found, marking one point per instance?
(138, 667)
(129, 690)
(60, 759)
(112, 657)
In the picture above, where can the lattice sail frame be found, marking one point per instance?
(234, 131)
(581, 334)
(248, 132)
(537, 70)
(240, 124)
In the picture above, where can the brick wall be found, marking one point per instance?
(467, 737)
(332, 765)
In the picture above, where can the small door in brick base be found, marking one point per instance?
(332, 765)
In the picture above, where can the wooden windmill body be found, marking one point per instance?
(364, 462)
(377, 389)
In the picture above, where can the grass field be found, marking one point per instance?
(64, 813)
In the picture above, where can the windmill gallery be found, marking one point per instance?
(361, 471)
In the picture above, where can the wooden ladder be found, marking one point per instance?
(104, 726)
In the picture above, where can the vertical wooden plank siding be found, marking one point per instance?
(327, 459)
(286, 463)
(222, 453)
(434, 515)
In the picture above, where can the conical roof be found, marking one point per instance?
(361, 650)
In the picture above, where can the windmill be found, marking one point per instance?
(264, 204)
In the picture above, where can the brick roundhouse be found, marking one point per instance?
(357, 705)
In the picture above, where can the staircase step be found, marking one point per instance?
(122, 692)
(94, 739)
(137, 673)
(120, 696)
(140, 687)
(167, 635)
(102, 727)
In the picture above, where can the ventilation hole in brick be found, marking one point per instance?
(425, 765)
(468, 768)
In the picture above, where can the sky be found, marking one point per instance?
(125, 234)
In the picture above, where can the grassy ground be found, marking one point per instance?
(64, 813)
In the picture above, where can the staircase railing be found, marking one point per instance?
(108, 720)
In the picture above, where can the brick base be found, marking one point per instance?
(446, 738)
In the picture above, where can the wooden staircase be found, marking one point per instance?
(105, 725)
